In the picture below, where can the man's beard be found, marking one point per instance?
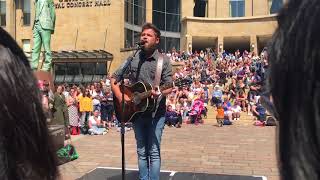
(148, 49)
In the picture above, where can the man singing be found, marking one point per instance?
(148, 126)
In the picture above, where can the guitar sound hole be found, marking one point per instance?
(136, 99)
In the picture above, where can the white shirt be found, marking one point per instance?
(108, 82)
(66, 94)
(236, 109)
(96, 101)
(93, 121)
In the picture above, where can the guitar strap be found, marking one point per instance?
(139, 68)
(157, 79)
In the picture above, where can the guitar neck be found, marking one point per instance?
(166, 86)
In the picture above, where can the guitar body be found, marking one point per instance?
(135, 106)
(141, 101)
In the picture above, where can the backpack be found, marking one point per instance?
(227, 122)
(271, 121)
(66, 154)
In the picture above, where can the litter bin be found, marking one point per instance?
(57, 134)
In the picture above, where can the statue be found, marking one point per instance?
(43, 27)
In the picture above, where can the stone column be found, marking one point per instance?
(122, 31)
(10, 18)
(149, 11)
(220, 45)
(248, 8)
(186, 8)
(260, 7)
(189, 42)
(212, 8)
(186, 43)
(254, 44)
(223, 7)
(32, 17)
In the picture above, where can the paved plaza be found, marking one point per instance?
(239, 149)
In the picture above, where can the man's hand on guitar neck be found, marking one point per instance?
(155, 93)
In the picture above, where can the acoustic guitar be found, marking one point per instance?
(141, 100)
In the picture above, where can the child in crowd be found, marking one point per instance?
(220, 115)
(196, 111)
(236, 109)
(216, 96)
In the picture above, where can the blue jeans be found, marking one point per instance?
(148, 132)
(96, 130)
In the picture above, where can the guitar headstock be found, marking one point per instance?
(182, 82)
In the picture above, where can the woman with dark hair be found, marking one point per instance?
(294, 84)
(25, 147)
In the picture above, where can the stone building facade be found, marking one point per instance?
(114, 25)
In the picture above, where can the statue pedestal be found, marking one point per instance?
(45, 76)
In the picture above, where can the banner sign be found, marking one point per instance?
(62, 4)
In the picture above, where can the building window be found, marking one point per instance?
(131, 38)
(88, 68)
(135, 12)
(73, 69)
(101, 69)
(169, 43)
(200, 8)
(275, 6)
(135, 17)
(172, 22)
(166, 16)
(128, 41)
(2, 12)
(26, 12)
(172, 43)
(60, 68)
(159, 19)
(237, 8)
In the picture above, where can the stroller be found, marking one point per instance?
(196, 111)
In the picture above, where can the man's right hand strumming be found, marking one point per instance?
(117, 92)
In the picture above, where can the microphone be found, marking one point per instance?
(140, 44)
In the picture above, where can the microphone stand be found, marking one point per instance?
(120, 80)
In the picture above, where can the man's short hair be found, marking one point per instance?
(153, 27)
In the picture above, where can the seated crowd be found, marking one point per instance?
(232, 83)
